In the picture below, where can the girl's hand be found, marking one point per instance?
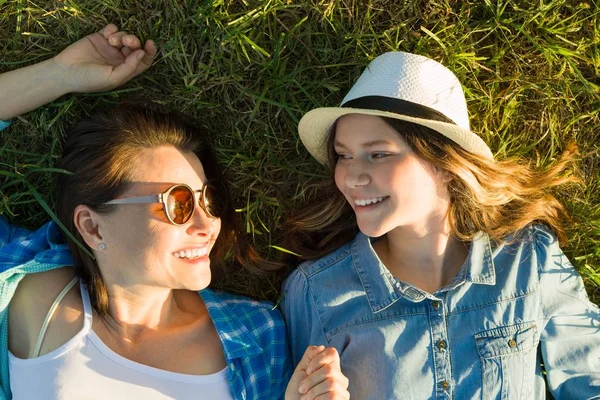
(318, 376)
(103, 60)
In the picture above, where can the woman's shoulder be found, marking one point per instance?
(40, 289)
(247, 327)
(241, 309)
(30, 305)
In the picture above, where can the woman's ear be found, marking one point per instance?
(87, 222)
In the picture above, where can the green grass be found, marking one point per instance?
(250, 69)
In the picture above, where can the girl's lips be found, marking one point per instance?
(369, 207)
(369, 200)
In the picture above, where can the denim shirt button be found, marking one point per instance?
(442, 344)
(436, 305)
(445, 385)
(512, 344)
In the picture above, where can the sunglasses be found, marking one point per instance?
(179, 202)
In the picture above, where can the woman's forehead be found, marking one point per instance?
(166, 164)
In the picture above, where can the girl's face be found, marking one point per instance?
(142, 246)
(385, 182)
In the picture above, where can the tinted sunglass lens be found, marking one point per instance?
(213, 203)
(180, 204)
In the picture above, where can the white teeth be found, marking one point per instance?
(191, 253)
(367, 202)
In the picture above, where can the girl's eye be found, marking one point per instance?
(378, 155)
(342, 156)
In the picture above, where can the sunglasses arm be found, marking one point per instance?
(155, 198)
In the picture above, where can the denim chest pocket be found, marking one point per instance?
(508, 356)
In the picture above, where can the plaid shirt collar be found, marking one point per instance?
(237, 340)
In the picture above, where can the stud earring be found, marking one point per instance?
(101, 246)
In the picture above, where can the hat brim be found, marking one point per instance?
(315, 124)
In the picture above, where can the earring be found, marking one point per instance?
(101, 246)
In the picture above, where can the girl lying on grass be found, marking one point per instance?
(435, 270)
(146, 205)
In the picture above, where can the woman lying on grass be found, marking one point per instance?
(146, 205)
(434, 269)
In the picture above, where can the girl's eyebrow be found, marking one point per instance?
(372, 143)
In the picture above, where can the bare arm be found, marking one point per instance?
(101, 61)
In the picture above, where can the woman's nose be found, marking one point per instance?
(201, 222)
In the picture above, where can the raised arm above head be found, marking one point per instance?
(101, 61)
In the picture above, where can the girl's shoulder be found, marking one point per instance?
(338, 257)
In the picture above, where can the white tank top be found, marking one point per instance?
(85, 368)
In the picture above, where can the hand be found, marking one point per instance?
(318, 376)
(103, 60)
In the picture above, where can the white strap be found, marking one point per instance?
(61, 295)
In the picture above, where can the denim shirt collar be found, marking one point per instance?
(383, 289)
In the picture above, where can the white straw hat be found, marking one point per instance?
(403, 86)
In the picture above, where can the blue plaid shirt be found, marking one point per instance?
(252, 333)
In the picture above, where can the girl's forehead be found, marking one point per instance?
(366, 130)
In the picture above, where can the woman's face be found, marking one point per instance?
(385, 182)
(142, 246)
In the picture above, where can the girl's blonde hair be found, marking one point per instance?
(497, 197)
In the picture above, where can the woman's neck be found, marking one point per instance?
(136, 311)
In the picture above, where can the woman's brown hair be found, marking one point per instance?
(100, 153)
(497, 197)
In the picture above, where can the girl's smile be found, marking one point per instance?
(383, 180)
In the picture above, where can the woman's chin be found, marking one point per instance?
(196, 285)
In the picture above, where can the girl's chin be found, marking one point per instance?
(371, 231)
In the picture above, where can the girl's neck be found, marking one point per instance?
(428, 257)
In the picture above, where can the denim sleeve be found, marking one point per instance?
(570, 337)
(301, 315)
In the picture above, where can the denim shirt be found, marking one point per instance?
(252, 333)
(485, 335)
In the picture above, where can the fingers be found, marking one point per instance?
(129, 68)
(108, 30)
(116, 39)
(324, 378)
(150, 53)
(129, 44)
(326, 356)
(310, 353)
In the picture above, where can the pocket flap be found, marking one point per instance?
(506, 340)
